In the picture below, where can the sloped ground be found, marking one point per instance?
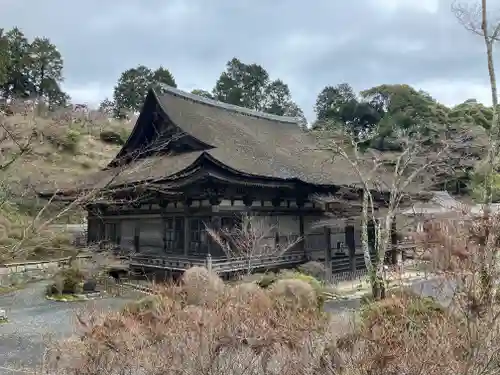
(60, 149)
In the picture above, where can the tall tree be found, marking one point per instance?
(472, 113)
(243, 85)
(133, 85)
(18, 83)
(4, 59)
(45, 68)
(162, 76)
(331, 100)
(107, 107)
(202, 93)
(249, 86)
(54, 95)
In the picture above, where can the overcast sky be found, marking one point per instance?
(308, 44)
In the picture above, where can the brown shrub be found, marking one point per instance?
(201, 286)
(295, 292)
(232, 336)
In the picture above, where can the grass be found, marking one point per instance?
(7, 289)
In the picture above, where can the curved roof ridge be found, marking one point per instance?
(228, 107)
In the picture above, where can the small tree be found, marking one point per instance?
(254, 237)
(394, 177)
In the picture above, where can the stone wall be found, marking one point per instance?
(21, 272)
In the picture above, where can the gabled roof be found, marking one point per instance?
(255, 143)
(242, 141)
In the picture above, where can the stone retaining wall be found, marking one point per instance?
(20, 272)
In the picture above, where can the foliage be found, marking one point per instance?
(318, 286)
(113, 137)
(266, 280)
(31, 69)
(66, 281)
(133, 85)
(314, 269)
(201, 286)
(249, 86)
(202, 93)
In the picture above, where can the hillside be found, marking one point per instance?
(53, 148)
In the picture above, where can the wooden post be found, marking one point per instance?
(351, 246)
(186, 235)
(328, 254)
(137, 231)
(302, 243)
(209, 263)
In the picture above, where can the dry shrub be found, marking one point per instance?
(250, 292)
(171, 336)
(201, 286)
(406, 334)
(296, 292)
(410, 334)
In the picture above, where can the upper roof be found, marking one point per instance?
(255, 143)
(242, 141)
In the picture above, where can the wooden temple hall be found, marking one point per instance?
(192, 163)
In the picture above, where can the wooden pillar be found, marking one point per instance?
(351, 245)
(302, 243)
(186, 235)
(187, 203)
(137, 231)
(328, 253)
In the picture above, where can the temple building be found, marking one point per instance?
(193, 163)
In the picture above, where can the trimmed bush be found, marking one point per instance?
(318, 286)
(267, 280)
(314, 269)
(296, 293)
(201, 286)
(66, 281)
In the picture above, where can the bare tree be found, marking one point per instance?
(394, 177)
(475, 18)
(253, 238)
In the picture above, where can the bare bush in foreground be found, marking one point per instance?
(246, 331)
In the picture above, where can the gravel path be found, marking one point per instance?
(431, 288)
(33, 320)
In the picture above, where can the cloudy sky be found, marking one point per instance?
(308, 44)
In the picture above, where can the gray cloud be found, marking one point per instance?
(307, 44)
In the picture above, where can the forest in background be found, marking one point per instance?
(33, 69)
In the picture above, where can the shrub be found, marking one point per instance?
(248, 292)
(71, 141)
(201, 286)
(318, 286)
(267, 280)
(314, 269)
(66, 281)
(166, 336)
(296, 292)
(112, 137)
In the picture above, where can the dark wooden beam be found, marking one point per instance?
(328, 253)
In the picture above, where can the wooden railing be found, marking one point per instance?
(218, 264)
